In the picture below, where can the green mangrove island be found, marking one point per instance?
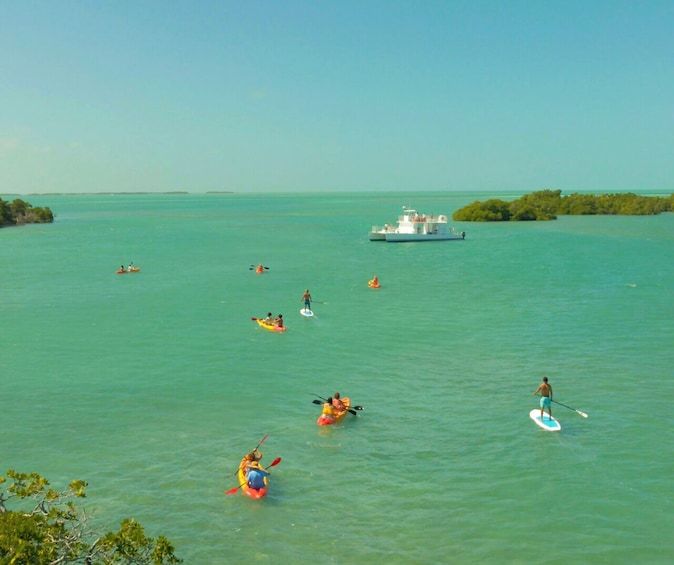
(18, 212)
(548, 204)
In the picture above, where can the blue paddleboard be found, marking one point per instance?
(551, 425)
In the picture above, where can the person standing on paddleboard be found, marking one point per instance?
(307, 299)
(546, 396)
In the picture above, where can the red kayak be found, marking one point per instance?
(127, 271)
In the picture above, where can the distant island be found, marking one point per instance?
(546, 205)
(18, 212)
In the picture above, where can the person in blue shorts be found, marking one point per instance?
(256, 475)
(307, 299)
(545, 391)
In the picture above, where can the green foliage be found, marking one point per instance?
(493, 210)
(548, 204)
(20, 212)
(50, 529)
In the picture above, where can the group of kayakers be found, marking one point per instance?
(271, 321)
(129, 269)
(255, 475)
(277, 321)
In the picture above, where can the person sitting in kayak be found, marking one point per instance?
(307, 299)
(253, 456)
(337, 403)
(269, 319)
(256, 475)
(279, 320)
(328, 412)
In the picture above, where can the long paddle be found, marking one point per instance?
(583, 414)
(255, 267)
(352, 409)
(273, 464)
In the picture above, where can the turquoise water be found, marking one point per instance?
(152, 386)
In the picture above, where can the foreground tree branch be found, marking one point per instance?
(48, 528)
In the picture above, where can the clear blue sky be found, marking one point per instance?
(332, 95)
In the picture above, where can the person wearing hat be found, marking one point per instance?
(256, 475)
(254, 455)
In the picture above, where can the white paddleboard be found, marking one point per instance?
(548, 424)
(306, 312)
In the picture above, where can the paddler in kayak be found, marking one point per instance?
(279, 320)
(256, 475)
(269, 319)
(249, 460)
(328, 412)
(255, 455)
(337, 403)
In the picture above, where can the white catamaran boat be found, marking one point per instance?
(413, 226)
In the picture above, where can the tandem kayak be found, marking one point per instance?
(324, 420)
(126, 271)
(373, 284)
(270, 327)
(252, 492)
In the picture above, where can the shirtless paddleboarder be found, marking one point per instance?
(546, 396)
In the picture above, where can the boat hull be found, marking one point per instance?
(271, 327)
(401, 237)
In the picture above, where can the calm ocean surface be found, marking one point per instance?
(152, 386)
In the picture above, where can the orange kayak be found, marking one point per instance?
(324, 420)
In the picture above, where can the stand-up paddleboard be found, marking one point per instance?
(548, 424)
(306, 312)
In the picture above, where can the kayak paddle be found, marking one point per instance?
(583, 414)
